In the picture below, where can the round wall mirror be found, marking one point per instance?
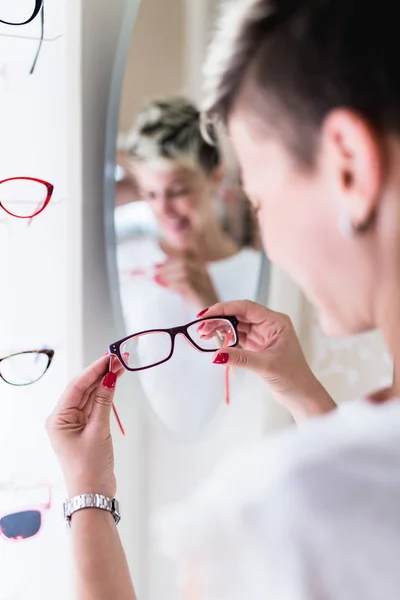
(181, 235)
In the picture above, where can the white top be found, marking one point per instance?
(186, 392)
(310, 514)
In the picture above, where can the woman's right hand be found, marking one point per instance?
(269, 347)
(79, 430)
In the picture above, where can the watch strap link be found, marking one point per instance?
(84, 501)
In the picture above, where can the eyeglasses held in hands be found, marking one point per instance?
(25, 197)
(23, 524)
(150, 348)
(157, 345)
(16, 18)
(25, 368)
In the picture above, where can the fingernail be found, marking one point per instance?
(203, 312)
(109, 381)
(200, 327)
(158, 280)
(221, 358)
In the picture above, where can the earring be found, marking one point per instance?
(346, 227)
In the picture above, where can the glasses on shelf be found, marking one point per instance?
(25, 368)
(150, 348)
(20, 525)
(17, 15)
(25, 197)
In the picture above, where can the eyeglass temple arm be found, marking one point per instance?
(116, 415)
(227, 382)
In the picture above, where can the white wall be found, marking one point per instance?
(54, 286)
(33, 300)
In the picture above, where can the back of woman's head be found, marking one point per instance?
(171, 129)
(300, 59)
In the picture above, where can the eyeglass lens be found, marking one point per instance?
(149, 349)
(21, 525)
(22, 197)
(24, 368)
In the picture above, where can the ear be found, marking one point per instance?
(352, 155)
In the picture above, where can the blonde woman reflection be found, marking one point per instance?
(194, 263)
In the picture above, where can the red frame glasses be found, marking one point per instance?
(50, 189)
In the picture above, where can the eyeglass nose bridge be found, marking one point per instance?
(183, 332)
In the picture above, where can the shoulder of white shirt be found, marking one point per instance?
(292, 461)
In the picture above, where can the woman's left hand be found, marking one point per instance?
(189, 277)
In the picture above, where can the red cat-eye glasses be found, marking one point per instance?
(25, 197)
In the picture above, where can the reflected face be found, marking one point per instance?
(298, 215)
(180, 198)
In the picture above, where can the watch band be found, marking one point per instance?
(91, 501)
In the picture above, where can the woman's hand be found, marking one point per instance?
(189, 277)
(79, 430)
(269, 346)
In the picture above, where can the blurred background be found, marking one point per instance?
(68, 123)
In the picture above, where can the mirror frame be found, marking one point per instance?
(111, 134)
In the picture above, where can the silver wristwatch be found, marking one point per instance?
(91, 501)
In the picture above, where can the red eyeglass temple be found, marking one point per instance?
(227, 386)
(116, 415)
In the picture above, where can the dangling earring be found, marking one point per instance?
(346, 227)
(349, 230)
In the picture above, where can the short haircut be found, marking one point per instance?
(170, 129)
(293, 61)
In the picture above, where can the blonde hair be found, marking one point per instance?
(170, 129)
(233, 45)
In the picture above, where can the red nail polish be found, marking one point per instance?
(203, 312)
(158, 280)
(109, 381)
(221, 358)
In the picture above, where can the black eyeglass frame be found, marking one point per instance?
(115, 348)
(36, 10)
(48, 353)
(39, 8)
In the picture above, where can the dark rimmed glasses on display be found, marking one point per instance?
(20, 525)
(153, 347)
(19, 19)
(25, 368)
(25, 197)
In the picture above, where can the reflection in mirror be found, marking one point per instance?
(186, 238)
